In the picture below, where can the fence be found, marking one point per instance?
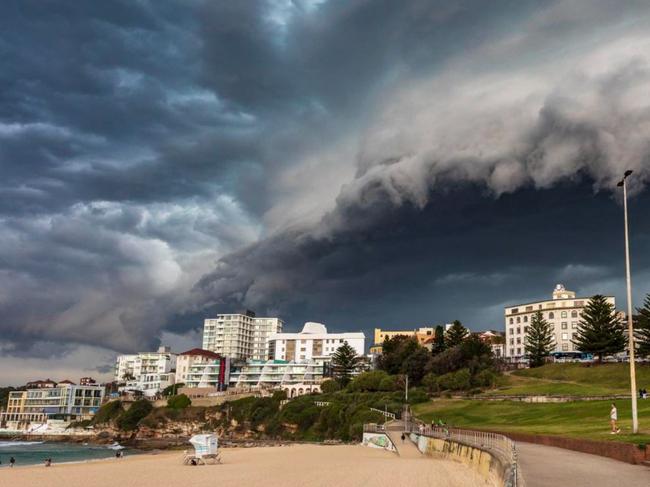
(385, 413)
(500, 445)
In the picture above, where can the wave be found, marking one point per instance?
(5, 444)
(115, 446)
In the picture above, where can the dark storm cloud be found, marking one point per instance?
(142, 142)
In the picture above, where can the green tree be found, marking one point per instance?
(329, 386)
(415, 365)
(642, 327)
(600, 331)
(539, 341)
(456, 334)
(172, 389)
(180, 401)
(344, 361)
(130, 418)
(438, 341)
(394, 353)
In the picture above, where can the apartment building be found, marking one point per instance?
(312, 343)
(198, 368)
(146, 372)
(65, 401)
(563, 311)
(424, 335)
(239, 335)
(296, 378)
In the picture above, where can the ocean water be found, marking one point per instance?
(35, 452)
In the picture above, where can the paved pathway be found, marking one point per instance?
(547, 466)
(406, 448)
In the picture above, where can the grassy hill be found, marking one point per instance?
(573, 379)
(581, 419)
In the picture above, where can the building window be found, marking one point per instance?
(574, 324)
(574, 314)
(564, 325)
(511, 321)
(512, 351)
(519, 351)
(514, 310)
(551, 316)
(578, 303)
(518, 330)
(565, 336)
(518, 319)
(518, 341)
(525, 329)
(525, 319)
(512, 331)
(512, 341)
(529, 308)
(563, 314)
(565, 347)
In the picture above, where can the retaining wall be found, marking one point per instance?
(490, 466)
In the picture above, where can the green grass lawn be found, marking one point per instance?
(573, 379)
(581, 419)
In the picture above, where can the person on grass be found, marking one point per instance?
(613, 418)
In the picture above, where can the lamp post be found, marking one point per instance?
(630, 320)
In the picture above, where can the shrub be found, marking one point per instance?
(430, 382)
(329, 387)
(108, 412)
(455, 381)
(130, 418)
(172, 389)
(279, 395)
(485, 378)
(369, 381)
(180, 401)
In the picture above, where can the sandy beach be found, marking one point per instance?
(290, 466)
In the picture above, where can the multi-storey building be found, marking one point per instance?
(563, 312)
(146, 372)
(262, 329)
(239, 335)
(64, 401)
(295, 378)
(202, 368)
(423, 334)
(312, 343)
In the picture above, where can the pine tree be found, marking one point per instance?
(344, 361)
(539, 340)
(456, 334)
(438, 341)
(600, 331)
(642, 327)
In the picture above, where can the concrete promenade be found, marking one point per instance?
(547, 466)
(405, 449)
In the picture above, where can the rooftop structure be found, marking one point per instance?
(424, 336)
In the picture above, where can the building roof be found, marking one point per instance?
(201, 352)
(46, 381)
(312, 327)
(66, 381)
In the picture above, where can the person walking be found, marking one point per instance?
(12, 461)
(613, 418)
(403, 437)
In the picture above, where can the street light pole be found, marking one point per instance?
(630, 319)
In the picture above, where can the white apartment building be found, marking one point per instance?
(239, 335)
(563, 312)
(146, 372)
(296, 378)
(262, 329)
(312, 343)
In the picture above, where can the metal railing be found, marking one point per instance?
(496, 443)
(373, 428)
(385, 413)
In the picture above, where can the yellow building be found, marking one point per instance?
(424, 335)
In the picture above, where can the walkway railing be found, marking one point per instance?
(385, 413)
(373, 428)
(496, 443)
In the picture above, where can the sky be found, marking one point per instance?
(361, 164)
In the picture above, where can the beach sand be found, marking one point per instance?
(289, 466)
